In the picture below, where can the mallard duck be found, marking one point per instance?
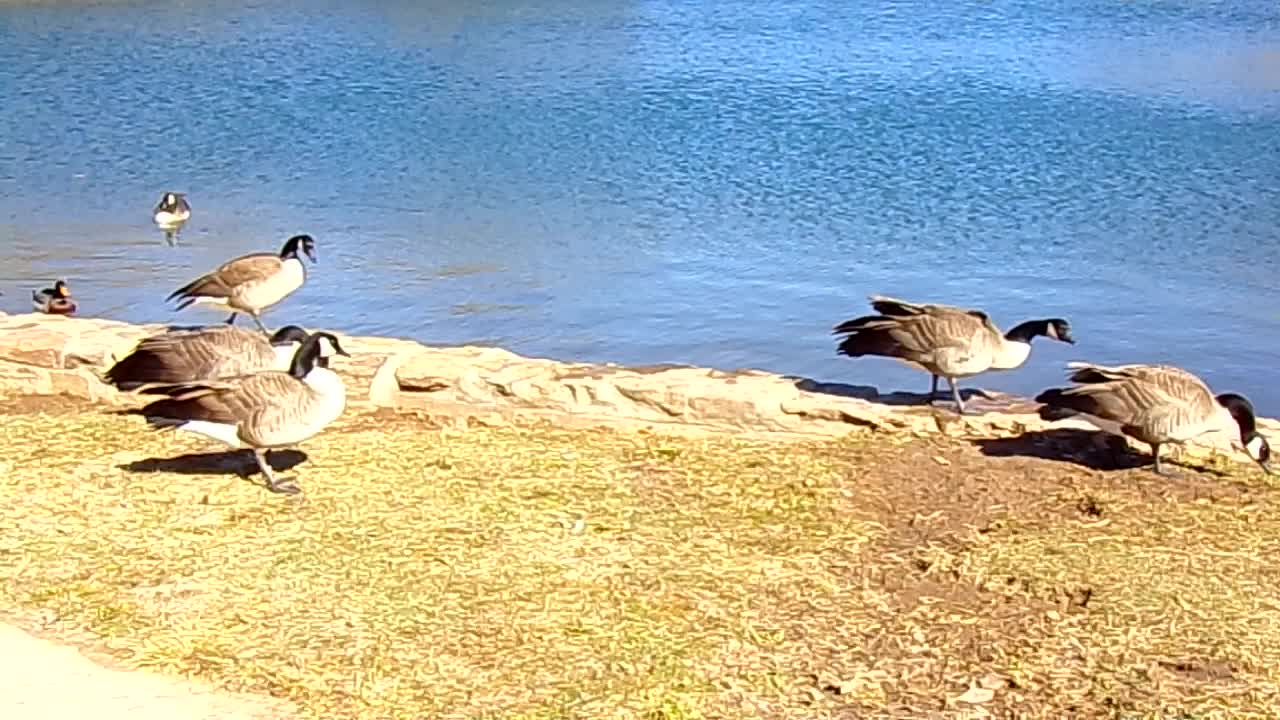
(260, 411)
(54, 301)
(251, 283)
(206, 353)
(949, 342)
(1154, 404)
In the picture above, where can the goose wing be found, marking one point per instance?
(230, 276)
(894, 307)
(1174, 383)
(1152, 402)
(180, 356)
(242, 400)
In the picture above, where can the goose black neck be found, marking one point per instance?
(305, 360)
(1024, 332)
(289, 334)
(1241, 411)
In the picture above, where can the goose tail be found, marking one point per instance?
(1059, 403)
(140, 368)
(869, 335)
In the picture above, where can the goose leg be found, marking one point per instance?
(261, 327)
(274, 484)
(933, 391)
(955, 395)
(232, 320)
(1160, 469)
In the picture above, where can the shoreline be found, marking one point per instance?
(474, 385)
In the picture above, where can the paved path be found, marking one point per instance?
(40, 680)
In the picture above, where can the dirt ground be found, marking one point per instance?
(540, 573)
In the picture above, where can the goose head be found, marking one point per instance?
(1052, 328)
(315, 352)
(173, 208)
(1255, 445)
(304, 244)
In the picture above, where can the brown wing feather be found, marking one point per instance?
(231, 401)
(916, 336)
(180, 356)
(1149, 401)
(230, 275)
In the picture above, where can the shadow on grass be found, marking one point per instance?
(1093, 449)
(230, 462)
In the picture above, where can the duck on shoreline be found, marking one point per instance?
(54, 301)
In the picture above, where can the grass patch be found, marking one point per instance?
(538, 573)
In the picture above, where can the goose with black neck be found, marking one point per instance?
(262, 411)
(251, 283)
(945, 340)
(1156, 405)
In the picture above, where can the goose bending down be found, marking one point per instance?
(207, 353)
(54, 301)
(251, 283)
(173, 209)
(950, 342)
(261, 411)
(1154, 404)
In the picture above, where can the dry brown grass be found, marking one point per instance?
(539, 573)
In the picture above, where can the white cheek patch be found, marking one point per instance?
(1254, 447)
(326, 347)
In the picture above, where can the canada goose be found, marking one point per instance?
(251, 283)
(950, 342)
(261, 411)
(207, 353)
(54, 301)
(173, 209)
(1154, 404)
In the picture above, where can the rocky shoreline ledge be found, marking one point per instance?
(54, 355)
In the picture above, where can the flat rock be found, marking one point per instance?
(42, 354)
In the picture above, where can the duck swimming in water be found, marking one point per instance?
(54, 301)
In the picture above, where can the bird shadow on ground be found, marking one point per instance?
(229, 462)
(897, 398)
(1093, 449)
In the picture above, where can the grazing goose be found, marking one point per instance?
(172, 210)
(1154, 404)
(54, 301)
(261, 411)
(207, 353)
(251, 283)
(950, 342)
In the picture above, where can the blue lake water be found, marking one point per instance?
(714, 183)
